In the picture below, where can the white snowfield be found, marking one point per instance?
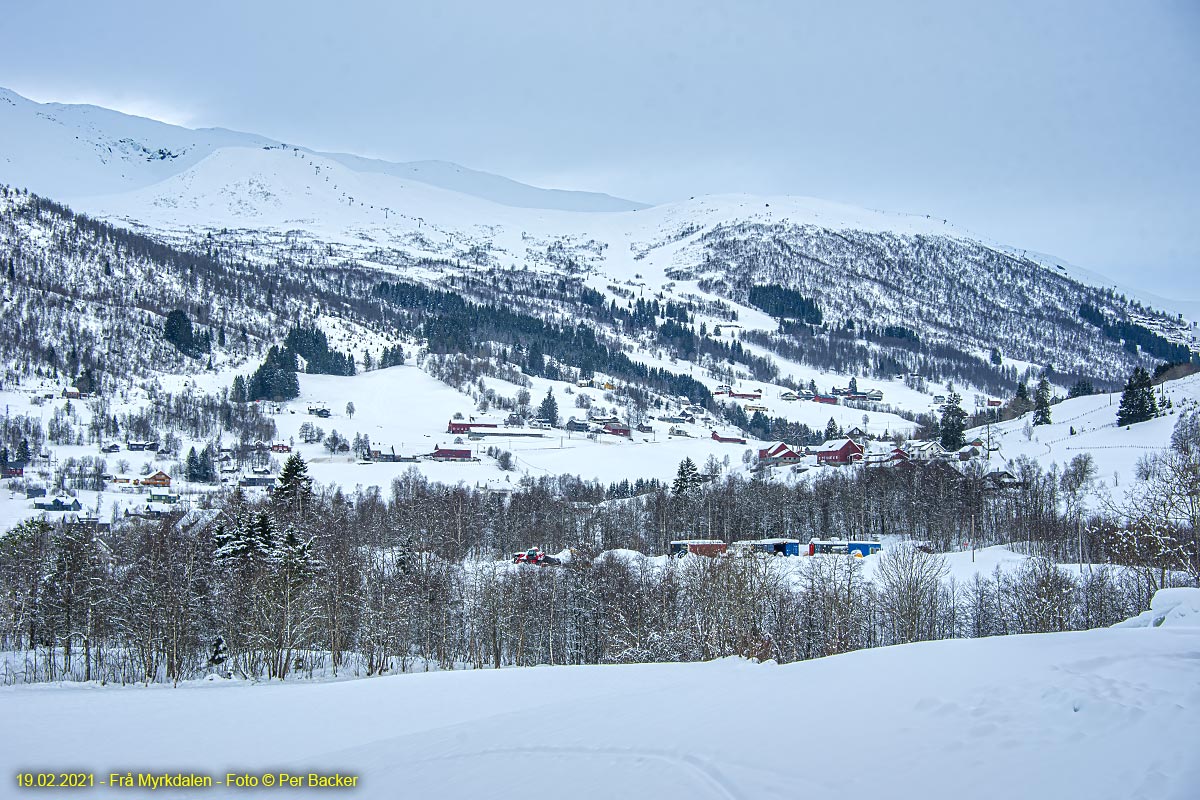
(1100, 714)
(1115, 450)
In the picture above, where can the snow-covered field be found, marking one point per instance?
(1115, 450)
(1099, 714)
(406, 409)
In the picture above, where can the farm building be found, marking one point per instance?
(618, 429)
(467, 427)
(449, 454)
(163, 496)
(727, 439)
(699, 547)
(839, 451)
(267, 481)
(825, 398)
(160, 479)
(13, 469)
(777, 454)
(926, 451)
(59, 504)
(577, 426)
(1000, 479)
(755, 395)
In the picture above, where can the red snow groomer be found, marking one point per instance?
(533, 555)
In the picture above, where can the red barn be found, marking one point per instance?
(447, 454)
(465, 427)
(839, 451)
(825, 398)
(727, 439)
(618, 429)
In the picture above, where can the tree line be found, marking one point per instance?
(312, 581)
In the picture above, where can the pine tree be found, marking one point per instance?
(831, 429)
(548, 410)
(191, 469)
(295, 486)
(853, 385)
(1041, 403)
(954, 423)
(687, 480)
(238, 393)
(1137, 401)
(178, 331)
(1020, 403)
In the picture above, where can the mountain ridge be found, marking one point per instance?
(140, 141)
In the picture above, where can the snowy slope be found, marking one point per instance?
(64, 151)
(1115, 450)
(1100, 714)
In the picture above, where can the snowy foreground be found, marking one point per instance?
(1100, 714)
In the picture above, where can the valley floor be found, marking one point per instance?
(1111, 713)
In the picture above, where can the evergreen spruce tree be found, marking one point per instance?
(687, 480)
(295, 486)
(1137, 401)
(238, 393)
(178, 331)
(1021, 402)
(831, 429)
(954, 423)
(191, 468)
(548, 410)
(1041, 403)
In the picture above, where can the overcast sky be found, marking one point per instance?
(1067, 127)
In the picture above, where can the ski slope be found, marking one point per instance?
(1100, 714)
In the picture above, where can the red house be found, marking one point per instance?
(825, 398)
(839, 451)
(465, 427)
(618, 429)
(779, 453)
(727, 439)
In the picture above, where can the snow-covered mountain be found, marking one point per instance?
(896, 293)
(68, 151)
